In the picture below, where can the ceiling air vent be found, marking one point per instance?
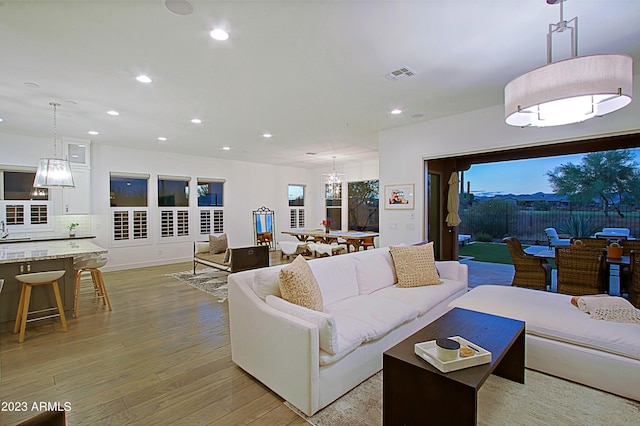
(401, 74)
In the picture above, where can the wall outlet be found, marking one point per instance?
(159, 251)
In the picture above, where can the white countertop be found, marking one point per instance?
(43, 250)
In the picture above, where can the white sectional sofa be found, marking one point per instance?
(311, 358)
(565, 342)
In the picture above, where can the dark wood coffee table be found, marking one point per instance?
(416, 393)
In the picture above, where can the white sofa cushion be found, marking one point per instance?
(422, 298)
(370, 317)
(326, 323)
(552, 316)
(266, 281)
(374, 270)
(336, 277)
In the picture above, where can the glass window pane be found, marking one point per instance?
(128, 192)
(363, 205)
(19, 186)
(210, 194)
(173, 193)
(296, 195)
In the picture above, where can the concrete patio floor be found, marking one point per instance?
(481, 273)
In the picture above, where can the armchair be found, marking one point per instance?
(531, 271)
(581, 270)
(554, 239)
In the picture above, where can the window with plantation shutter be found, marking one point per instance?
(211, 221)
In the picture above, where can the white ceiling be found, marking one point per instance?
(312, 73)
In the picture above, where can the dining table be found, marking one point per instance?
(615, 265)
(351, 238)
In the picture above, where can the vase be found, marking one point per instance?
(327, 228)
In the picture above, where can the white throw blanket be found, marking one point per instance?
(607, 308)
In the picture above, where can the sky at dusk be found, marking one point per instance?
(518, 177)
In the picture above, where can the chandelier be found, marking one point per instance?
(54, 172)
(569, 91)
(333, 183)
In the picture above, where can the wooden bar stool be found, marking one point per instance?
(92, 265)
(28, 282)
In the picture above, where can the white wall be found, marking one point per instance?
(248, 186)
(402, 152)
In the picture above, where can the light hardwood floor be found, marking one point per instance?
(161, 357)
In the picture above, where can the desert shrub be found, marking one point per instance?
(482, 237)
(495, 218)
(580, 226)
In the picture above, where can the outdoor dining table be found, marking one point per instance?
(615, 265)
(354, 238)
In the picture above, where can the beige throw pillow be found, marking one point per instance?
(299, 286)
(415, 265)
(217, 244)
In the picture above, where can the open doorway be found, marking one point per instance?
(436, 209)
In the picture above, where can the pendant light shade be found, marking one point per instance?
(54, 172)
(569, 91)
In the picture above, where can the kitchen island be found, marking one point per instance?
(39, 256)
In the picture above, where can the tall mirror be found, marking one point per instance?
(264, 226)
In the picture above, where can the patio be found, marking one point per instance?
(482, 273)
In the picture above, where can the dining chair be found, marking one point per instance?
(597, 243)
(634, 285)
(530, 271)
(581, 270)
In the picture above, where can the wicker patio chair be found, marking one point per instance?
(634, 284)
(630, 245)
(597, 243)
(581, 270)
(531, 271)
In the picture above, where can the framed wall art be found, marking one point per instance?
(398, 197)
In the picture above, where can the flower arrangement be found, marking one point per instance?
(327, 223)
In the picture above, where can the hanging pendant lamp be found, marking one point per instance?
(333, 183)
(569, 91)
(54, 172)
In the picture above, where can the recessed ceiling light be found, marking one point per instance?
(162, 138)
(310, 154)
(93, 132)
(1, 120)
(31, 85)
(267, 135)
(179, 7)
(417, 116)
(219, 34)
(196, 121)
(144, 78)
(112, 112)
(396, 111)
(226, 148)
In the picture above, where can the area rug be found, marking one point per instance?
(209, 280)
(542, 400)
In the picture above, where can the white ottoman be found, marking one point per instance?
(293, 248)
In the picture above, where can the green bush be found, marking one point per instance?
(492, 217)
(485, 238)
